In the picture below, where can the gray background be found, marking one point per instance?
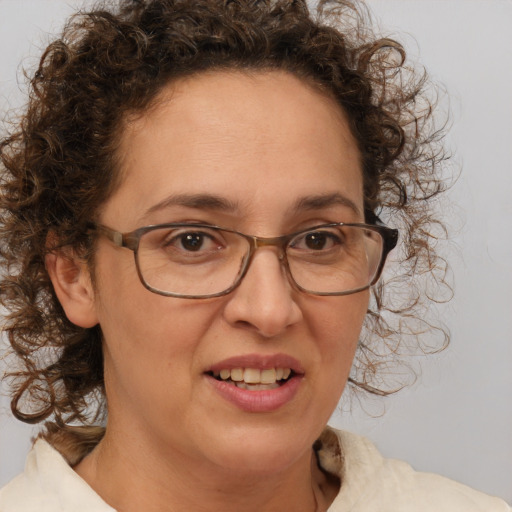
(457, 418)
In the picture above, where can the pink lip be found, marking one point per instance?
(258, 401)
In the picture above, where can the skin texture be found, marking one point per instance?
(261, 142)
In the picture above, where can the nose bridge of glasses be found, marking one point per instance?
(276, 241)
(279, 243)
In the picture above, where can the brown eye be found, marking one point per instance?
(189, 242)
(192, 241)
(315, 241)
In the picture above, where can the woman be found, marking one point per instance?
(244, 153)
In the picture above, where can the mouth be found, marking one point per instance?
(257, 383)
(254, 379)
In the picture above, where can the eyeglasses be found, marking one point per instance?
(196, 261)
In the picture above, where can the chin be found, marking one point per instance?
(262, 451)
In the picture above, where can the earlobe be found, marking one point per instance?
(72, 283)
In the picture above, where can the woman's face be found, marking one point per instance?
(267, 155)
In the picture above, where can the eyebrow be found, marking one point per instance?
(318, 202)
(196, 201)
(221, 204)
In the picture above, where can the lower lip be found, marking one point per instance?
(257, 401)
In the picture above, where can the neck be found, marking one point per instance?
(131, 477)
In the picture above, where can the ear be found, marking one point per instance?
(72, 283)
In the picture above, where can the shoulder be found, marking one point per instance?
(371, 482)
(49, 484)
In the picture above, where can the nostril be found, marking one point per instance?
(244, 323)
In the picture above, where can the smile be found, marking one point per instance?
(254, 379)
(256, 383)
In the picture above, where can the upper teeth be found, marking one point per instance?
(254, 375)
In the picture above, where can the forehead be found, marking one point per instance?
(249, 137)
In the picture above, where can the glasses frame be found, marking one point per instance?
(131, 241)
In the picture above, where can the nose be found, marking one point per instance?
(265, 300)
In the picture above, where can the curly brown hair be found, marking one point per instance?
(59, 166)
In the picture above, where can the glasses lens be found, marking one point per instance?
(191, 260)
(335, 259)
(201, 261)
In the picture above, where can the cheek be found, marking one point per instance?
(340, 318)
(150, 327)
(337, 322)
(153, 347)
(149, 335)
(142, 330)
